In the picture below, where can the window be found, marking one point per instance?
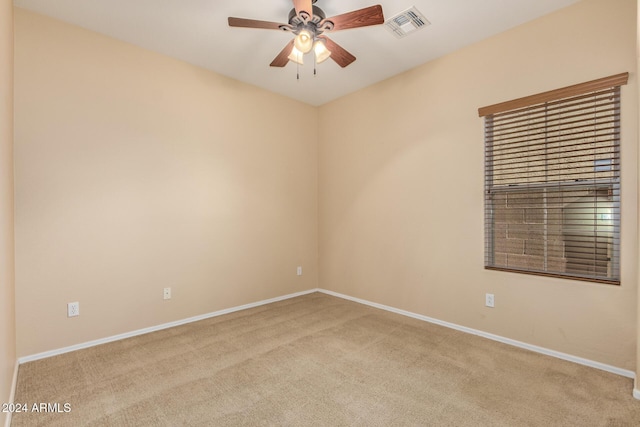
(552, 182)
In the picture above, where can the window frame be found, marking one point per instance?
(567, 93)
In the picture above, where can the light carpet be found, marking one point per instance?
(319, 360)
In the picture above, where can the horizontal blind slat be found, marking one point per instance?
(534, 128)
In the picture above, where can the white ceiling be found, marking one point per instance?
(196, 31)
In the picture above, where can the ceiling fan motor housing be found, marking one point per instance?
(300, 23)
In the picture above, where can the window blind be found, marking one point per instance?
(552, 183)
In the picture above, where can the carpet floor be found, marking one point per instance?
(318, 360)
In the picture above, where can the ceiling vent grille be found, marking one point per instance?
(406, 22)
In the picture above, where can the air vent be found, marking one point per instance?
(406, 22)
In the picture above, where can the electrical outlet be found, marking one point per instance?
(73, 309)
(489, 300)
(167, 293)
(299, 271)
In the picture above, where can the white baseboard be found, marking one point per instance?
(636, 393)
(534, 348)
(118, 337)
(12, 395)
(520, 344)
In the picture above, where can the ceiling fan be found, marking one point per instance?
(309, 23)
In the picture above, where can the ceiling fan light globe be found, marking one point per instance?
(321, 51)
(296, 56)
(304, 41)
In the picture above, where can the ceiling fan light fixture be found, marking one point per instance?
(296, 56)
(321, 51)
(304, 41)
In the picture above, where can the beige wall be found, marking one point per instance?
(401, 187)
(136, 172)
(637, 370)
(7, 300)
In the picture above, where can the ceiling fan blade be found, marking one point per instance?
(283, 57)
(338, 53)
(252, 23)
(358, 18)
(304, 6)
